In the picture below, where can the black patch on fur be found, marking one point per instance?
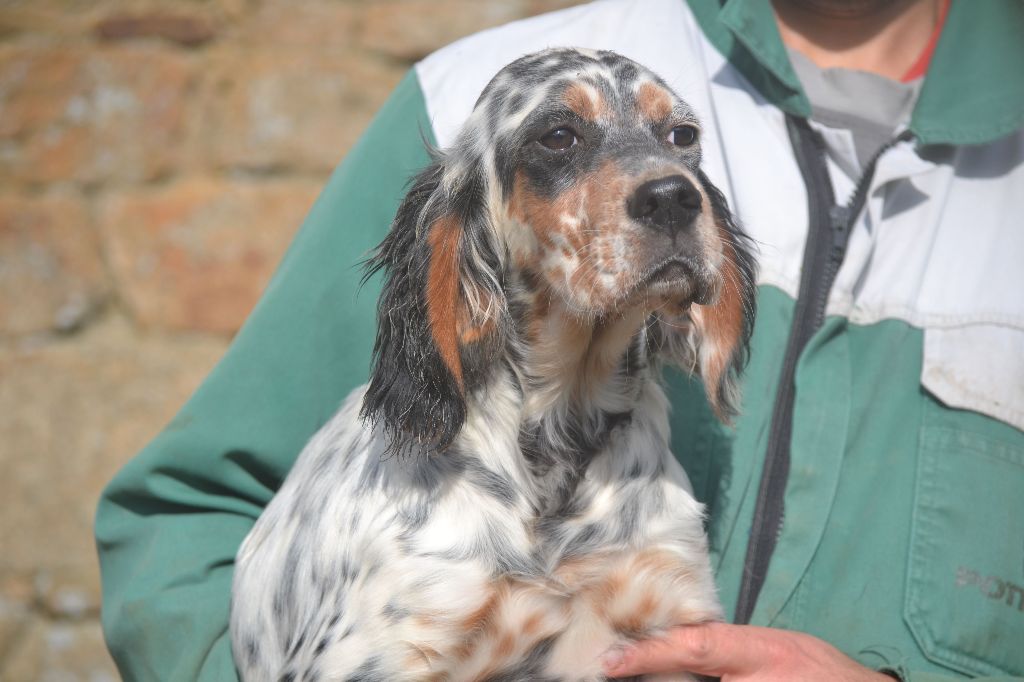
(321, 645)
(297, 644)
(491, 482)
(548, 172)
(634, 362)
(252, 651)
(491, 548)
(413, 396)
(412, 516)
(514, 102)
(394, 613)
(583, 541)
(581, 437)
(356, 518)
(371, 475)
(531, 668)
(629, 515)
(368, 671)
(346, 571)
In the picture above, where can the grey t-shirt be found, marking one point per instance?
(870, 106)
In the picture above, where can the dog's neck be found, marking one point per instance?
(579, 377)
(580, 364)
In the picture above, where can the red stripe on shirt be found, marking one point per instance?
(921, 65)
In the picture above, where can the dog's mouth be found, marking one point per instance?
(681, 280)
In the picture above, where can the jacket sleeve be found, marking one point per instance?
(170, 522)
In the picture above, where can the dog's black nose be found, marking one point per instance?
(670, 203)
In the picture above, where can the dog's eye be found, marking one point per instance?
(683, 136)
(559, 139)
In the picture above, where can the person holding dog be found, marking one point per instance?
(866, 510)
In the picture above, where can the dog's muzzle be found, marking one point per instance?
(670, 204)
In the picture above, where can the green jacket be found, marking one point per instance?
(903, 536)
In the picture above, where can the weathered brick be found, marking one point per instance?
(287, 110)
(411, 29)
(15, 612)
(196, 255)
(69, 652)
(90, 116)
(51, 267)
(71, 413)
(182, 28)
(316, 24)
(35, 20)
(67, 592)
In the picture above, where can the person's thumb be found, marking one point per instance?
(709, 649)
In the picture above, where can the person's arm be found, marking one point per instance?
(169, 524)
(747, 653)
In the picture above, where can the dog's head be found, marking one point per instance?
(578, 172)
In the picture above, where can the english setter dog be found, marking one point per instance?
(500, 503)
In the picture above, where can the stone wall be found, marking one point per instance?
(155, 160)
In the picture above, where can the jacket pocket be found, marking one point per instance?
(977, 367)
(965, 583)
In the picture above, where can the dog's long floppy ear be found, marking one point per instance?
(441, 310)
(716, 342)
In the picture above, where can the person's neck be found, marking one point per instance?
(884, 37)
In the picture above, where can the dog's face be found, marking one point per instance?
(598, 166)
(578, 173)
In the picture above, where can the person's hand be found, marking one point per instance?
(740, 653)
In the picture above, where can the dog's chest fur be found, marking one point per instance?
(484, 563)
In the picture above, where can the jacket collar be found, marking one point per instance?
(970, 95)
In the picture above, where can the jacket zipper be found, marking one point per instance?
(827, 238)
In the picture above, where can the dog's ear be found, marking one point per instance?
(440, 313)
(724, 327)
(715, 341)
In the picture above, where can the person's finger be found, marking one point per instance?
(711, 649)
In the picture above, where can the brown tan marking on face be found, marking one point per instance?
(585, 246)
(583, 236)
(720, 324)
(654, 102)
(443, 292)
(586, 101)
(545, 217)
